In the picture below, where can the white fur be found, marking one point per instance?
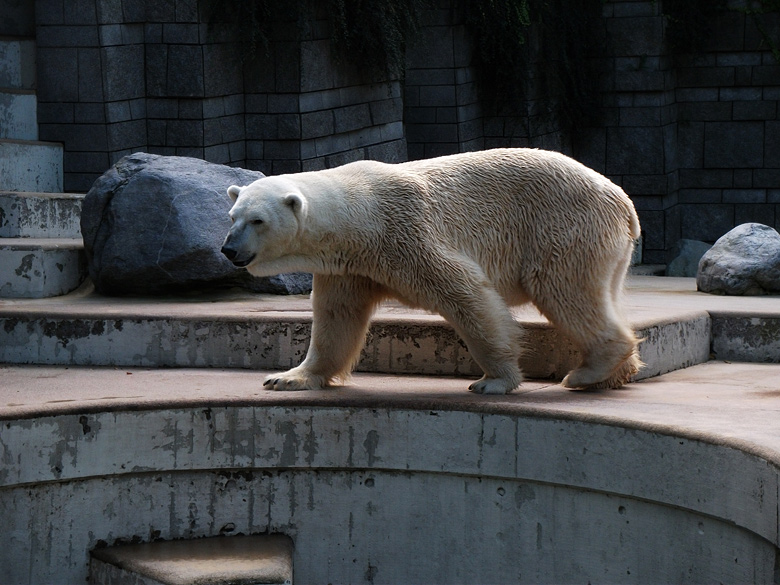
(463, 236)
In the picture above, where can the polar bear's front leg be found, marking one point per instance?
(341, 307)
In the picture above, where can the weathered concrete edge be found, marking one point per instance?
(740, 465)
(739, 336)
(469, 403)
(404, 344)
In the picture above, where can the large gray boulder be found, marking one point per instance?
(155, 224)
(745, 261)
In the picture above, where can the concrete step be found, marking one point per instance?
(27, 165)
(17, 62)
(18, 114)
(235, 329)
(40, 267)
(266, 332)
(40, 215)
(215, 561)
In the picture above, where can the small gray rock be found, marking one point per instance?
(685, 257)
(155, 224)
(745, 261)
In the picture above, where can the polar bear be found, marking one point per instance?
(463, 236)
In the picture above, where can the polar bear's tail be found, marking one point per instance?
(633, 224)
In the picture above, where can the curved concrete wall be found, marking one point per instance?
(383, 494)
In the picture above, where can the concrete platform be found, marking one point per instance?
(207, 561)
(17, 62)
(395, 478)
(672, 479)
(18, 114)
(723, 402)
(266, 332)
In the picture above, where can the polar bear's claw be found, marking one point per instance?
(492, 386)
(291, 381)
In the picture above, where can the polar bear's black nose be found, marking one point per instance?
(233, 255)
(230, 253)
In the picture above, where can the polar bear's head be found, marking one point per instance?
(268, 216)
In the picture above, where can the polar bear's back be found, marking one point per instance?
(524, 198)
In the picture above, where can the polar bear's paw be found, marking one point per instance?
(294, 380)
(590, 379)
(487, 385)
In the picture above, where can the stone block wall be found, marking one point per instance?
(694, 139)
(119, 76)
(307, 111)
(442, 112)
(636, 144)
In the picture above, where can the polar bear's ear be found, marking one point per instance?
(296, 202)
(233, 192)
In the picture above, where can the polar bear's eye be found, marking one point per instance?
(257, 222)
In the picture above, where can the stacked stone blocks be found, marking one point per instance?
(119, 76)
(694, 139)
(442, 112)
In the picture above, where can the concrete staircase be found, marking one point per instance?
(41, 251)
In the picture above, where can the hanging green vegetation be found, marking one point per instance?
(375, 33)
(371, 33)
(558, 63)
(690, 22)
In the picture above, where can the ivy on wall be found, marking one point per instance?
(371, 33)
(375, 32)
(689, 22)
(559, 61)
(524, 49)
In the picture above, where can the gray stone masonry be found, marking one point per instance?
(693, 139)
(441, 108)
(119, 76)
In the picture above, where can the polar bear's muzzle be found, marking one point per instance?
(234, 254)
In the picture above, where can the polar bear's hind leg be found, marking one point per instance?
(594, 321)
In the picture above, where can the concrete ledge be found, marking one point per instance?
(397, 477)
(40, 215)
(17, 55)
(207, 561)
(226, 334)
(741, 337)
(40, 267)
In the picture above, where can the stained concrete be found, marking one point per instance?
(394, 478)
(18, 118)
(41, 267)
(17, 63)
(40, 215)
(399, 479)
(27, 165)
(238, 329)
